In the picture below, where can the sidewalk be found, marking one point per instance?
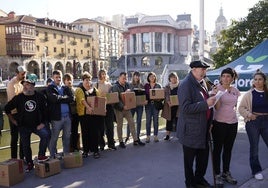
(156, 165)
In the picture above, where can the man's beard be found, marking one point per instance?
(28, 92)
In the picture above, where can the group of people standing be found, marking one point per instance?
(201, 116)
(205, 116)
(61, 108)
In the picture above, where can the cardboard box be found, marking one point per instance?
(11, 172)
(129, 99)
(98, 104)
(73, 160)
(174, 100)
(112, 98)
(48, 168)
(140, 100)
(139, 91)
(157, 93)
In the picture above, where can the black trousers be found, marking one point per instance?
(109, 125)
(95, 123)
(223, 137)
(84, 121)
(14, 133)
(74, 132)
(201, 162)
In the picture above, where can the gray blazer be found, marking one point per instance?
(192, 127)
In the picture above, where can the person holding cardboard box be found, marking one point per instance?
(104, 86)
(153, 107)
(138, 88)
(171, 111)
(90, 123)
(122, 111)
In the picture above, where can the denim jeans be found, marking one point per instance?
(151, 112)
(56, 126)
(255, 129)
(25, 136)
(138, 110)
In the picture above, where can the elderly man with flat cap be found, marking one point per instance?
(193, 124)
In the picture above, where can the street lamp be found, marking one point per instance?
(45, 64)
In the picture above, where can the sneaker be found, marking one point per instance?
(203, 184)
(147, 139)
(96, 155)
(138, 142)
(111, 147)
(29, 167)
(219, 181)
(156, 139)
(84, 154)
(122, 145)
(258, 176)
(226, 176)
(42, 158)
(167, 137)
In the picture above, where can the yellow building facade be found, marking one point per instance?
(39, 43)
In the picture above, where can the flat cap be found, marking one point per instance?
(199, 64)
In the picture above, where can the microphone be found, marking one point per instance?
(209, 82)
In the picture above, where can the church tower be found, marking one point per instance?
(221, 23)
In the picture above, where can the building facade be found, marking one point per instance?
(158, 44)
(107, 42)
(43, 45)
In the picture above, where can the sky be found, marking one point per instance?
(69, 10)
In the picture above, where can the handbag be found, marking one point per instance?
(158, 105)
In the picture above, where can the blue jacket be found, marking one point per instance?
(192, 126)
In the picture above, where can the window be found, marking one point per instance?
(62, 50)
(69, 51)
(81, 52)
(37, 48)
(158, 42)
(145, 42)
(168, 42)
(55, 35)
(134, 43)
(55, 49)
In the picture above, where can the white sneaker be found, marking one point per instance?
(258, 176)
